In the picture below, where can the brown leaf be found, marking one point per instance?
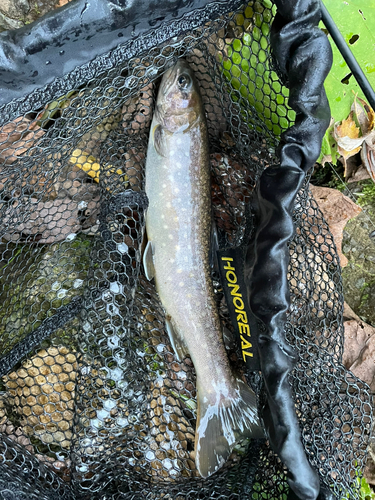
(359, 347)
(137, 111)
(17, 137)
(368, 156)
(337, 210)
(43, 222)
(347, 137)
(365, 115)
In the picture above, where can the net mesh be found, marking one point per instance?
(93, 402)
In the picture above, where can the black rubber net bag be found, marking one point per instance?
(94, 404)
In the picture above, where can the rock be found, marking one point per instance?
(359, 358)
(337, 210)
(359, 347)
(369, 471)
(359, 275)
(7, 23)
(41, 394)
(16, 9)
(359, 175)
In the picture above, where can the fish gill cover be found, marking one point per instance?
(94, 403)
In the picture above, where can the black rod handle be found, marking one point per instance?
(347, 54)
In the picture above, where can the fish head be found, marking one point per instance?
(179, 103)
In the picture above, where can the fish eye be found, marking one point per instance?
(184, 81)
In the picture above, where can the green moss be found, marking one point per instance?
(35, 281)
(367, 196)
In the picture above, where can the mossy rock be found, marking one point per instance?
(359, 275)
(36, 281)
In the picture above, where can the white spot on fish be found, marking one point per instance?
(165, 226)
(178, 164)
(164, 244)
(177, 247)
(164, 185)
(179, 270)
(172, 152)
(169, 205)
(181, 283)
(170, 236)
(189, 295)
(179, 141)
(163, 216)
(176, 219)
(176, 190)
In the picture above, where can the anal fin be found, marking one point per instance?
(177, 343)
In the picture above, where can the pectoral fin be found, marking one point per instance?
(148, 261)
(159, 140)
(177, 343)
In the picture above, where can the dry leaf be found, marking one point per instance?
(348, 128)
(368, 156)
(42, 222)
(351, 139)
(337, 209)
(359, 347)
(17, 137)
(137, 111)
(365, 115)
(347, 137)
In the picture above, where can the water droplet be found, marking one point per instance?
(48, 62)
(61, 52)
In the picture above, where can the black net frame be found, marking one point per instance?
(87, 411)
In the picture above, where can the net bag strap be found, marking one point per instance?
(303, 57)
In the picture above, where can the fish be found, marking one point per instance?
(177, 256)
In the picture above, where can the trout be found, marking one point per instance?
(177, 256)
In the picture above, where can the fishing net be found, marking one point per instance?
(93, 402)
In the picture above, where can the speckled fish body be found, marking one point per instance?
(178, 227)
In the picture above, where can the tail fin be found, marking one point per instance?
(220, 423)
